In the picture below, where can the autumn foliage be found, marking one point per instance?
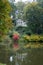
(5, 20)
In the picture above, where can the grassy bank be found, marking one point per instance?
(2, 64)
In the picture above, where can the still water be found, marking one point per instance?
(29, 56)
(24, 56)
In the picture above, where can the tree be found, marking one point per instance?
(39, 0)
(33, 14)
(20, 5)
(5, 20)
(13, 12)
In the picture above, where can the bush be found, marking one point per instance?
(35, 38)
(41, 38)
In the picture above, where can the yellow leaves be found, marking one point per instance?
(33, 45)
(29, 5)
(27, 46)
(34, 3)
(5, 20)
(5, 7)
(8, 8)
(41, 37)
(27, 37)
(8, 23)
(33, 37)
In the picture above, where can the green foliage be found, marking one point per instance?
(20, 6)
(5, 53)
(33, 14)
(14, 8)
(2, 64)
(5, 21)
(33, 38)
(39, 0)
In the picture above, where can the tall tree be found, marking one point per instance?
(33, 14)
(39, 0)
(5, 20)
(13, 12)
(20, 5)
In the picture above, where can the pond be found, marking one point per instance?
(30, 54)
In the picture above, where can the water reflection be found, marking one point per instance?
(30, 56)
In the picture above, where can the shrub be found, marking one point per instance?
(41, 38)
(35, 38)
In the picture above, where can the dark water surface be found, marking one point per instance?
(24, 56)
(30, 56)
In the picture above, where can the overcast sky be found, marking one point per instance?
(24, 0)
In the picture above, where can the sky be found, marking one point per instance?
(24, 0)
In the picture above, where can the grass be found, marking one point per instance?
(2, 64)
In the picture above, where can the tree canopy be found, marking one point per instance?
(33, 14)
(39, 0)
(20, 6)
(5, 20)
